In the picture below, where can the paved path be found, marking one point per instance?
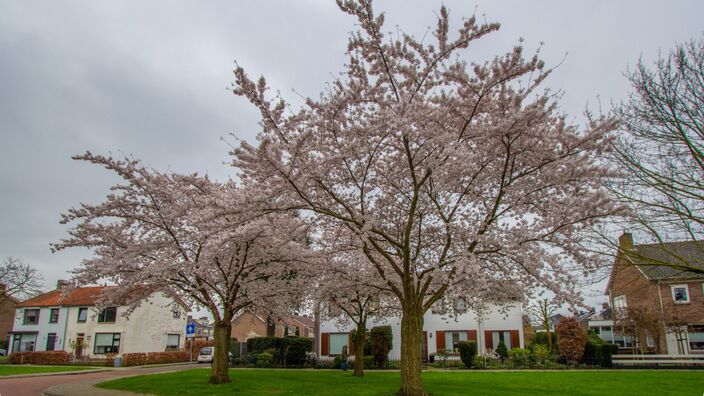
(75, 384)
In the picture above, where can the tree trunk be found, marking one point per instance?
(221, 364)
(411, 334)
(359, 339)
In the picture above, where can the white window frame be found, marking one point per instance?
(680, 286)
(618, 300)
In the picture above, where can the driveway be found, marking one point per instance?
(33, 386)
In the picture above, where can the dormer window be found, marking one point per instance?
(680, 294)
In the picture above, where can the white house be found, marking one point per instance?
(72, 323)
(440, 331)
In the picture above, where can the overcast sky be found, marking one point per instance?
(150, 79)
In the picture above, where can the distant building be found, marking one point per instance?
(7, 313)
(440, 331)
(204, 327)
(640, 278)
(248, 325)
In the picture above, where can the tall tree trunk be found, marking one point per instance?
(359, 340)
(411, 335)
(221, 365)
(270, 327)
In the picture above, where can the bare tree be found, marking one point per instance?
(540, 312)
(662, 154)
(21, 280)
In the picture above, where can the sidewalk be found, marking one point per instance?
(85, 388)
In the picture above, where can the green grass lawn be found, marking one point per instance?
(323, 382)
(11, 369)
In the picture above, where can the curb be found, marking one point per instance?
(74, 372)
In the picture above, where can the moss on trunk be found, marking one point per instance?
(219, 374)
(411, 334)
(359, 340)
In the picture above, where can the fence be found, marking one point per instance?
(656, 361)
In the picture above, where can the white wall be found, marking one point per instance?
(43, 328)
(149, 325)
(496, 318)
(144, 330)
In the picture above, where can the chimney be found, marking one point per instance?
(3, 287)
(625, 241)
(61, 284)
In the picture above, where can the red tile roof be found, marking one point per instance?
(78, 296)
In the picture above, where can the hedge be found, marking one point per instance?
(46, 357)
(294, 347)
(140, 358)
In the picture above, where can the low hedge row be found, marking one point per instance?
(46, 357)
(139, 358)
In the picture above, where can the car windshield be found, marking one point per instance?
(206, 351)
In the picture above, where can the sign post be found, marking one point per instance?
(190, 333)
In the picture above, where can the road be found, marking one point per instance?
(33, 386)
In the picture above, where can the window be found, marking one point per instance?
(460, 305)
(438, 307)
(680, 294)
(452, 340)
(695, 334)
(337, 341)
(620, 303)
(649, 341)
(106, 343)
(23, 342)
(498, 336)
(54, 315)
(82, 315)
(50, 341)
(604, 332)
(31, 316)
(107, 315)
(172, 342)
(623, 341)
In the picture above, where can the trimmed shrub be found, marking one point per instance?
(296, 352)
(264, 359)
(501, 350)
(541, 338)
(519, 357)
(140, 358)
(467, 349)
(541, 353)
(571, 339)
(381, 342)
(278, 346)
(45, 357)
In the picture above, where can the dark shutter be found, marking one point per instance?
(488, 341)
(440, 340)
(324, 344)
(515, 340)
(472, 335)
(351, 344)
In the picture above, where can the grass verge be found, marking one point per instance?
(323, 382)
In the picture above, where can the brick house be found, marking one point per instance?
(675, 297)
(248, 325)
(7, 313)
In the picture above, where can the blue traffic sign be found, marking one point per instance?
(190, 329)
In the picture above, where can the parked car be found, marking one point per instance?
(206, 355)
(3, 352)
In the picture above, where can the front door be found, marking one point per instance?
(424, 347)
(78, 350)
